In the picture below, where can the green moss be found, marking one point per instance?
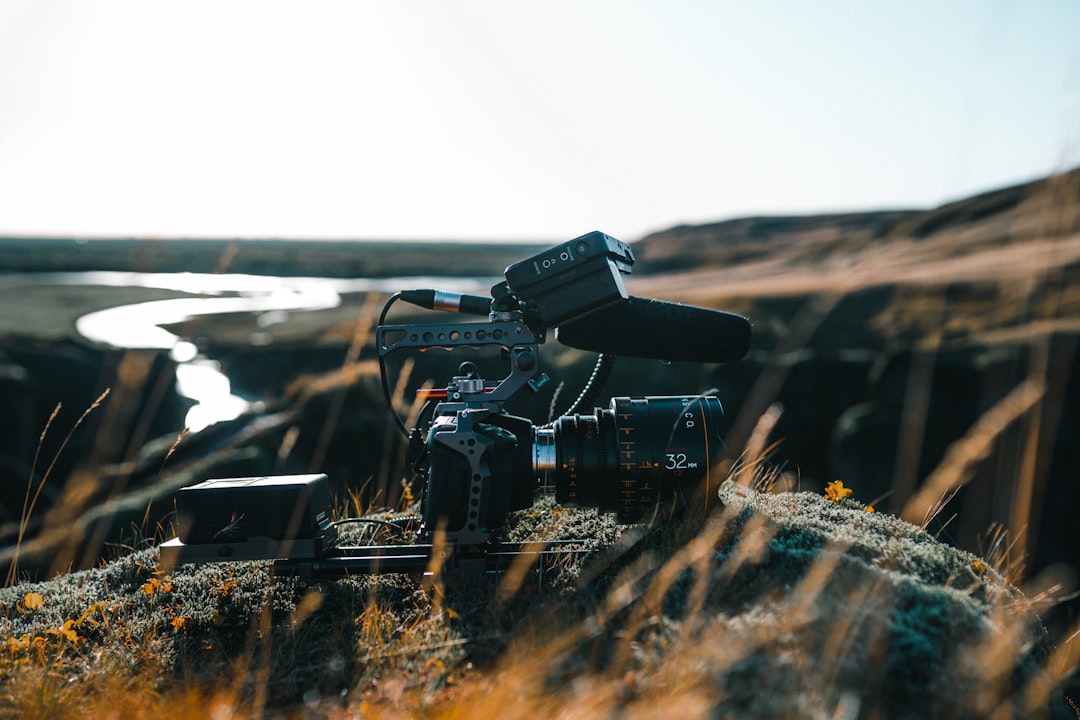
(782, 606)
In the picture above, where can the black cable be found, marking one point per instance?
(555, 396)
(392, 524)
(421, 422)
(387, 396)
(370, 521)
(605, 364)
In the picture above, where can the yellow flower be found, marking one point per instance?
(179, 622)
(222, 588)
(31, 601)
(101, 607)
(154, 584)
(870, 508)
(67, 631)
(17, 645)
(836, 491)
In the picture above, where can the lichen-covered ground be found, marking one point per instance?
(788, 605)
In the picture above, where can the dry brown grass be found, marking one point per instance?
(777, 604)
(786, 605)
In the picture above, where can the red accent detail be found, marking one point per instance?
(435, 394)
(429, 394)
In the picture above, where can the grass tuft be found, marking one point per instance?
(779, 605)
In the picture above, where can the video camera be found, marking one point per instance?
(476, 462)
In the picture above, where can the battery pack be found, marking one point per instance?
(285, 517)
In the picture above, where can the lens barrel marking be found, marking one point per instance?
(641, 450)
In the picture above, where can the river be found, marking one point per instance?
(139, 325)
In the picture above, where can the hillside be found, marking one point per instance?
(789, 605)
(928, 359)
(260, 256)
(1010, 215)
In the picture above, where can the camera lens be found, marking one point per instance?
(627, 458)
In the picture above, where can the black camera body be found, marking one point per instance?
(478, 465)
(475, 461)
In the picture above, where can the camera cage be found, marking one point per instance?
(286, 519)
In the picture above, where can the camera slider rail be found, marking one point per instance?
(286, 519)
(415, 559)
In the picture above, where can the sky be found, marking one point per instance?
(508, 120)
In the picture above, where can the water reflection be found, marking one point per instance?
(202, 381)
(138, 325)
(200, 378)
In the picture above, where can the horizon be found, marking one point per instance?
(80, 239)
(528, 123)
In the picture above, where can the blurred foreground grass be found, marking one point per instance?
(787, 605)
(777, 605)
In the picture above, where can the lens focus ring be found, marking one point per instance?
(638, 452)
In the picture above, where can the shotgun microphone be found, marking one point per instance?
(646, 328)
